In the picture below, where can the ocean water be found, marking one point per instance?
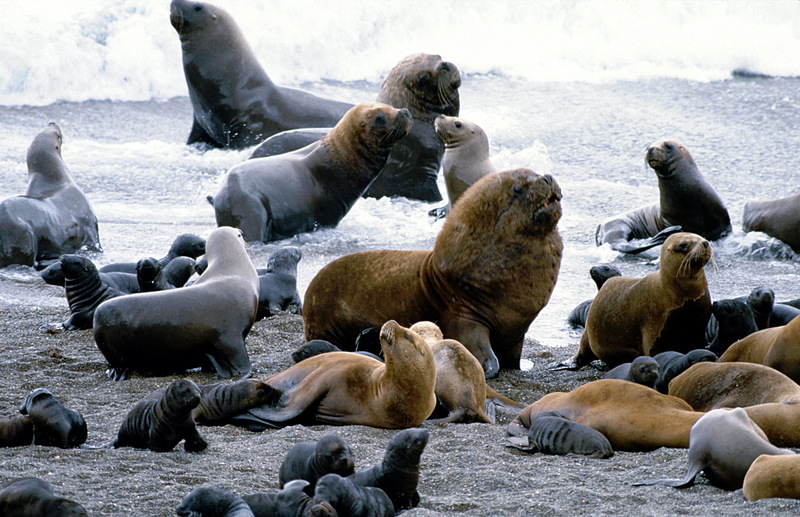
(574, 89)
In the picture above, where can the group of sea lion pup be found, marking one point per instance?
(491, 270)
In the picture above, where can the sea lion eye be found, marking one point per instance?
(198, 8)
(458, 124)
(380, 119)
(518, 191)
(680, 248)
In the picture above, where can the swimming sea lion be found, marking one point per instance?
(601, 273)
(348, 498)
(162, 419)
(220, 403)
(773, 476)
(150, 275)
(312, 460)
(184, 245)
(278, 285)
(53, 217)
(775, 347)
(280, 196)
(211, 501)
(628, 314)
(235, 103)
(642, 370)
(671, 364)
(16, 431)
(687, 201)
(552, 433)
(492, 269)
(34, 497)
(53, 424)
(171, 331)
(777, 218)
(85, 291)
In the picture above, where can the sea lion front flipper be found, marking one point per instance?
(522, 443)
(645, 244)
(117, 374)
(198, 135)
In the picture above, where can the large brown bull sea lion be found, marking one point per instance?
(492, 269)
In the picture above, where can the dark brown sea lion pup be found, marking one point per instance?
(16, 431)
(642, 370)
(723, 444)
(125, 283)
(291, 501)
(220, 403)
(687, 201)
(277, 290)
(601, 273)
(342, 388)
(348, 498)
(777, 347)
(53, 217)
(280, 196)
(492, 269)
(150, 275)
(204, 324)
(671, 364)
(398, 473)
(628, 314)
(184, 245)
(53, 424)
(162, 419)
(312, 460)
(235, 103)
(552, 433)
(211, 501)
(761, 300)
(777, 218)
(773, 476)
(34, 497)
(731, 321)
(85, 291)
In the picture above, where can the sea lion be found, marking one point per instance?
(162, 419)
(53, 217)
(628, 314)
(220, 403)
(773, 476)
(312, 460)
(235, 103)
(398, 473)
(184, 245)
(150, 276)
(685, 328)
(553, 433)
(671, 364)
(723, 443)
(492, 269)
(633, 417)
(775, 347)
(125, 283)
(314, 347)
(291, 501)
(85, 291)
(601, 273)
(465, 160)
(211, 501)
(342, 388)
(178, 271)
(782, 314)
(642, 370)
(348, 498)
(761, 300)
(777, 218)
(280, 196)
(278, 284)
(687, 203)
(171, 331)
(16, 431)
(53, 424)
(34, 497)
(731, 321)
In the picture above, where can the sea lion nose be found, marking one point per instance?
(547, 179)
(405, 113)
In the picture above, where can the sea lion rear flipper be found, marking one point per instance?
(117, 374)
(687, 481)
(522, 443)
(501, 400)
(645, 244)
(490, 411)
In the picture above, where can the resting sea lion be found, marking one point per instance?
(184, 245)
(211, 501)
(53, 217)
(642, 370)
(773, 476)
(350, 499)
(671, 364)
(314, 347)
(601, 273)
(723, 443)
(280, 196)
(162, 419)
(33, 497)
(731, 321)
(312, 460)
(777, 218)
(291, 501)
(552, 433)
(628, 314)
(491, 270)
(687, 201)
(777, 347)
(16, 431)
(235, 103)
(178, 271)
(150, 275)
(85, 291)
(53, 424)
(278, 284)
(220, 403)
(171, 331)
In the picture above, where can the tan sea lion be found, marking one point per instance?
(773, 476)
(342, 388)
(777, 347)
(280, 196)
(204, 324)
(687, 202)
(777, 218)
(53, 217)
(492, 269)
(628, 314)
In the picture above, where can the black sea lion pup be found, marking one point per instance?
(348, 498)
(33, 497)
(53, 424)
(723, 444)
(125, 283)
(278, 284)
(671, 364)
(761, 300)
(553, 433)
(312, 348)
(312, 460)
(398, 473)
(220, 403)
(291, 501)
(280, 196)
(53, 217)
(601, 273)
(210, 501)
(150, 275)
(184, 245)
(16, 431)
(85, 291)
(162, 419)
(179, 270)
(642, 370)
(731, 321)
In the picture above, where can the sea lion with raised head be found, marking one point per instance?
(125, 283)
(53, 217)
(687, 203)
(278, 284)
(492, 269)
(280, 196)
(34, 497)
(184, 245)
(731, 321)
(53, 424)
(204, 324)
(150, 275)
(312, 460)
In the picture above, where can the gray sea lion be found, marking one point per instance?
(312, 460)
(687, 203)
(34, 497)
(163, 419)
(53, 424)
(210, 501)
(761, 300)
(220, 403)
(642, 370)
(773, 476)
(184, 245)
(85, 291)
(235, 103)
(280, 196)
(291, 501)
(723, 444)
(278, 284)
(671, 364)
(53, 217)
(150, 275)
(348, 498)
(777, 218)
(553, 433)
(204, 324)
